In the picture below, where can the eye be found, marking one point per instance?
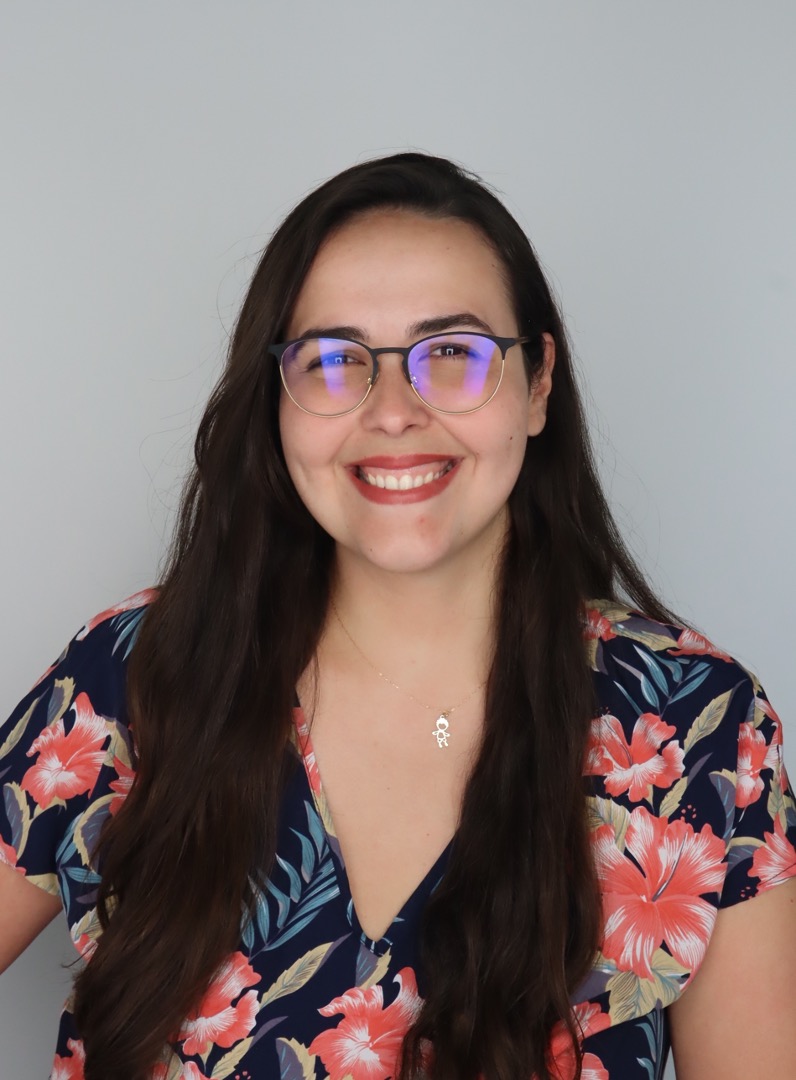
(451, 351)
(338, 359)
(317, 355)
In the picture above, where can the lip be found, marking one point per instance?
(402, 461)
(386, 497)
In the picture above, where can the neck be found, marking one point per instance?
(432, 631)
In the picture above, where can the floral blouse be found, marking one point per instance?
(690, 811)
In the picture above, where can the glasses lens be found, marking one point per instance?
(456, 372)
(326, 376)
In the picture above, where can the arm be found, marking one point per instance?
(26, 909)
(737, 1019)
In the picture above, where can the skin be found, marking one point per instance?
(736, 1019)
(26, 908)
(421, 575)
(382, 273)
(413, 581)
(427, 570)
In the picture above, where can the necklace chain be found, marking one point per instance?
(441, 731)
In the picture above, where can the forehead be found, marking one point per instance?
(386, 269)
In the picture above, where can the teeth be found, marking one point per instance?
(404, 482)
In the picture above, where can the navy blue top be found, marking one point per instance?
(690, 811)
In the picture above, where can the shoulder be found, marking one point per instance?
(689, 803)
(685, 754)
(647, 669)
(672, 708)
(103, 644)
(67, 743)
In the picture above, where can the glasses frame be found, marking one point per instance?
(503, 343)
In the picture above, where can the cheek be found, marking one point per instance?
(311, 448)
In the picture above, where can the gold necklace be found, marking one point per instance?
(441, 731)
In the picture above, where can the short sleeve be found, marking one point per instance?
(66, 758)
(759, 802)
(690, 807)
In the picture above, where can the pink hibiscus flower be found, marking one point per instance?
(561, 1057)
(690, 643)
(138, 599)
(775, 861)
(660, 899)
(121, 785)
(633, 767)
(597, 626)
(217, 1020)
(70, 1068)
(754, 755)
(67, 765)
(366, 1043)
(8, 856)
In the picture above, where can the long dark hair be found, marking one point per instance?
(514, 926)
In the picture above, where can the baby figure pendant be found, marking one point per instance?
(440, 732)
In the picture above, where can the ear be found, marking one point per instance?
(541, 387)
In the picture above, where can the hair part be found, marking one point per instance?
(514, 925)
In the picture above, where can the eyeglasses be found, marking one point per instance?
(451, 373)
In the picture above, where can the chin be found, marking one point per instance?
(404, 562)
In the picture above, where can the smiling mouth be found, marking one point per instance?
(402, 481)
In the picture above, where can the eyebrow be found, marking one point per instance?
(417, 329)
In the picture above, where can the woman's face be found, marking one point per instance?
(383, 272)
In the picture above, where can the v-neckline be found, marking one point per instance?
(410, 909)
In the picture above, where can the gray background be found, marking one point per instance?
(150, 148)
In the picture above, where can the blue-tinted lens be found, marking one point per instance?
(326, 375)
(456, 372)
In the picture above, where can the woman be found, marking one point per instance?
(528, 807)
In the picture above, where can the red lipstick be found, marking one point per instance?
(404, 465)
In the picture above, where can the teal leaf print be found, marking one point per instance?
(652, 1027)
(247, 934)
(647, 689)
(67, 847)
(283, 903)
(315, 826)
(263, 916)
(693, 680)
(294, 891)
(126, 625)
(654, 667)
(308, 855)
(295, 1060)
(83, 874)
(307, 891)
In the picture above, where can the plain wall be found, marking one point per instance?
(148, 151)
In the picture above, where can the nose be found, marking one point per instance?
(392, 405)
